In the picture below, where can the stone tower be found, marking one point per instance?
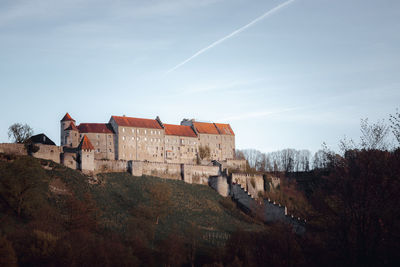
(86, 155)
(65, 123)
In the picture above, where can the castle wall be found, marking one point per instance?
(68, 159)
(87, 161)
(134, 143)
(103, 144)
(163, 170)
(199, 174)
(213, 141)
(247, 180)
(48, 152)
(102, 165)
(71, 138)
(227, 147)
(220, 184)
(181, 149)
(237, 164)
(13, 148)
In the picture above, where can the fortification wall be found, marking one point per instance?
(12, 148)
(237, 164)
(220, 184)
(48, 152)
(251, 183)
(163, 170)
(69, 160)
(102, 165)
(199, 174)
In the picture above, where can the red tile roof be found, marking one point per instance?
(72, 127)
(95, 128)
(224, 128)
(136, 122)
(67, 117)
(85, 144)
(179, 130)
(205, 127)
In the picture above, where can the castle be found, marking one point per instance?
(127, 138)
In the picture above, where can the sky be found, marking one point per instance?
(283, 74)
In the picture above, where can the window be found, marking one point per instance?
(145, 131)
(110, 150)
(98, 150)
(132, 138)
(151, 132)
(145, 139)
(98, 136)
(123, 130)
(76, 134)
(133, 130)
(137, 138)
(123, 138)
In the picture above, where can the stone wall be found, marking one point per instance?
(220, 184)
(69, 160)
(102, 166)
(199, 174)
(163, 170)
(48, 152)
(237, 164)
(12, 148)
(250, 183)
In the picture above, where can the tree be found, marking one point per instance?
(374, 136)
(204, 152)
(20, 184)
(395, 125)
(20, 133)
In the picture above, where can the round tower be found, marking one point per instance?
(65, 122)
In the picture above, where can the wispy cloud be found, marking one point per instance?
(257, 114)
(221, 86)
(265, 15)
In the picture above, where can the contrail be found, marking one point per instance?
(268, 13)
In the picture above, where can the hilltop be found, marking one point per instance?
(46, 207)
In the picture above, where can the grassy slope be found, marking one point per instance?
(117, 195)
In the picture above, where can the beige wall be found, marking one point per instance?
(12, 148)
(102, 166)
(181, 149)
(72, 138)
(87, 161)
(246, 182)
(48, 152)
(103, 144)
(69, 160)
(134, 143)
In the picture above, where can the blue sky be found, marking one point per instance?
(304, 75)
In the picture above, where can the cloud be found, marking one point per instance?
(265, 15)
(257, 114)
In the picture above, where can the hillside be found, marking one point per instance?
(43, 203)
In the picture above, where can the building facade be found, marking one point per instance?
(128, 138)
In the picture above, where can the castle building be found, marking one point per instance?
(128, 138)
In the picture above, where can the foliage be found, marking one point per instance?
(20, 183)
(204, 152)
(19, 133)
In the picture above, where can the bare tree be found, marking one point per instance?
(395, 125)
(19, 133)
(374, 136)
